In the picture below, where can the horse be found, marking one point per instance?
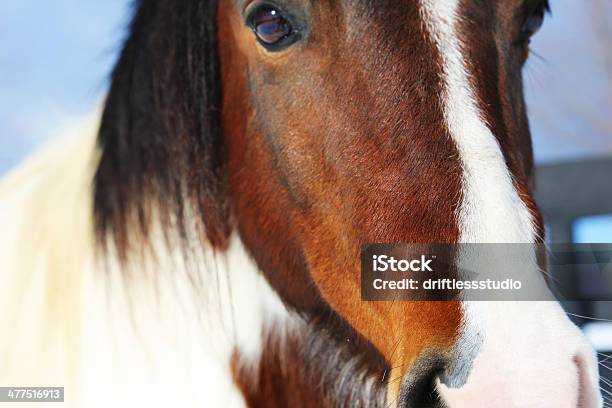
(197, 240)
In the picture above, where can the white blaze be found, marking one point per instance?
(511, 354)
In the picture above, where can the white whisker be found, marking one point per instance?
(606, 381)
(606, 391)
(588, 318)
(605, 366)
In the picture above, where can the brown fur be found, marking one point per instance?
(328, 150)
(345, 132)
(310, 153)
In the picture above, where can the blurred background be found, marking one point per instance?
(56, 56)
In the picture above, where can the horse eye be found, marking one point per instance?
(272, 28)
(534, 20)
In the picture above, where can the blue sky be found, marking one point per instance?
(569, 85)
(56, 56)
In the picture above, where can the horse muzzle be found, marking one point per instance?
(531, 356)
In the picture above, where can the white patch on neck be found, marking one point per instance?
(66, 320)
(182, 337)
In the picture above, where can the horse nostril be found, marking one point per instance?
(587, 398)
(419, 385)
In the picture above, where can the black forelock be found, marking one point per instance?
(160, 131)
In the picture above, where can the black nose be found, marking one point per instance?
(418, 388)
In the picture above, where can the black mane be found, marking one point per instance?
(160, 130)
